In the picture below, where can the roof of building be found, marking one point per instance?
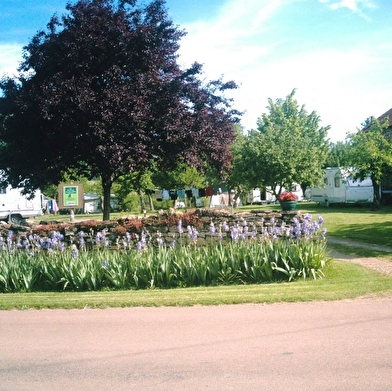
(385, 115)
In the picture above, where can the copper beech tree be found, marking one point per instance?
(100, 93)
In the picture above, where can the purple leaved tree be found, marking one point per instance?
(100, 93)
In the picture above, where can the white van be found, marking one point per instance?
(340, 187)
(16, 207)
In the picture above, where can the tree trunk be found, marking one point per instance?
(107, 186)
(142, 201)
(150, 202)
(376, 198)
(235, 199)
(304, 186)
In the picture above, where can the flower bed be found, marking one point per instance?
(240, 253)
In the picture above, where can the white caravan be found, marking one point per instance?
(15, 207)
(92, 203)
(340, 187)
(255, 196)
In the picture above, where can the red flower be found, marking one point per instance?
(287, 196)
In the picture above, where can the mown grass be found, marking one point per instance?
(343, 281)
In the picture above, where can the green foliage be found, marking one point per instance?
(370, 152)
(344, 280)
(131, 202)
(100, 94)
(129, 186)
(235, 263)
(338, 155)
(288, 147)
(239, 180)
(18, 273)
(182, 177)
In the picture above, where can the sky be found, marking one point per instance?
(337, 54)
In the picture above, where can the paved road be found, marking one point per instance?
(345, 345)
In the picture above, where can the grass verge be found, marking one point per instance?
(343, 281)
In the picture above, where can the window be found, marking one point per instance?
(337, 181)
(3, 190)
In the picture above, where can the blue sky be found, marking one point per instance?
(336, 53)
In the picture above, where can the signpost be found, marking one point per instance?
(71, 197)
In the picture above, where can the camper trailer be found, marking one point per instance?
(340, 187)
(257, 196)
(16, 207)
(92, 203)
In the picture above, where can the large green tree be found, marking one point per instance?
(370, 151)
(238, 180)
(101, 94)
(289, 146)
(338, 155)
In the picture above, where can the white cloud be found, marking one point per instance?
(357, 6)
(219, 44)
(343, 86)
(330, 82)
(10, 57)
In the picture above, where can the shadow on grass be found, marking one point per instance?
(377, 233)
(313, 207)
(357, 252)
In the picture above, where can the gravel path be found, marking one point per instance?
(379, 264)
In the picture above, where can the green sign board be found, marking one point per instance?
(71, 195)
